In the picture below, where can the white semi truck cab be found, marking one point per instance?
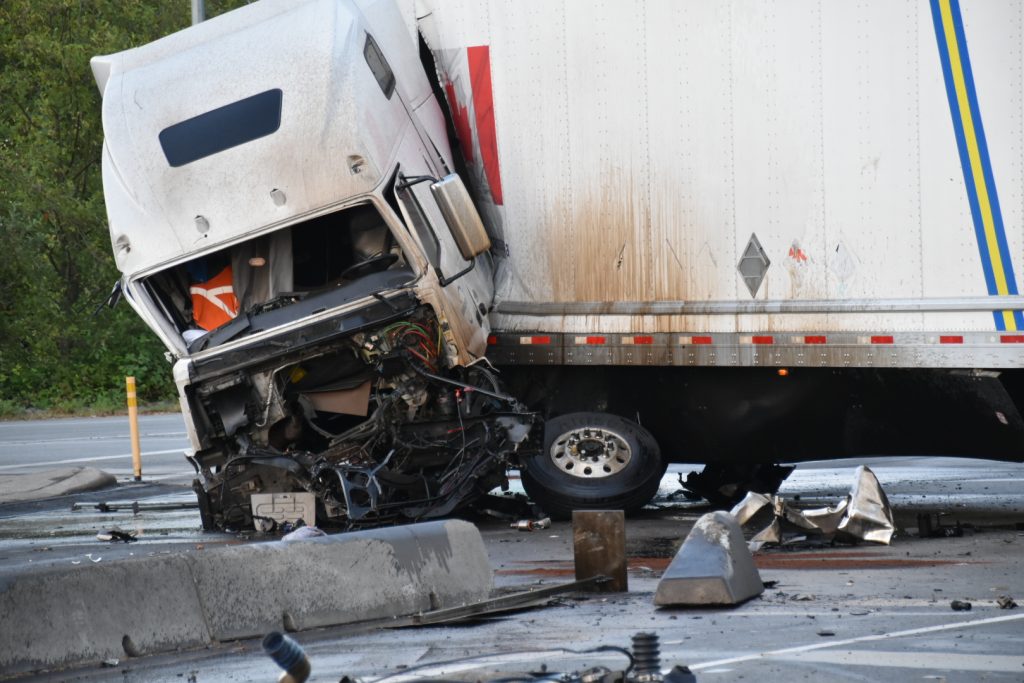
(283, 208)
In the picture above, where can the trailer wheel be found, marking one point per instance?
(593, 461)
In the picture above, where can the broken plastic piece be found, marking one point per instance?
(116, 535)
(960, 606)
(532, 525)
(1005, 602)
(303, 533)
(930, 526)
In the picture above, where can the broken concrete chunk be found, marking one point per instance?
(713, 567)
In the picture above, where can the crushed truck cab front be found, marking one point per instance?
(283, 211)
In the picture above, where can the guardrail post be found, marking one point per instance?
(133, 423)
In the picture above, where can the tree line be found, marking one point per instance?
(57, 352)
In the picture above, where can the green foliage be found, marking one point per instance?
(56, 264)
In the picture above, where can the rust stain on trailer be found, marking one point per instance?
(608, 247)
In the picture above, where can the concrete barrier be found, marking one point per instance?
(250, 590)
(713, 567)
(63, 615)
(68, 615)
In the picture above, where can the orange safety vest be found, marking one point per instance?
(213, 301)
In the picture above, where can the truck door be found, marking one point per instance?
(471, 294)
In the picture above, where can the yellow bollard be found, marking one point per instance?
(133, 423)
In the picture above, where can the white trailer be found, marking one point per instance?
(740, 233)
(746, 185)
(749, 169)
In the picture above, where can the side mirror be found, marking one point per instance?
(461, 215)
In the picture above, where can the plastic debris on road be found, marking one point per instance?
(116, 535)
(1005, 602)
(864, 515)
(532, 524)
(303, 533)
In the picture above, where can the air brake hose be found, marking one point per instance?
(288, 655)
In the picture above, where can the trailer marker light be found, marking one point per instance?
(783, 372)
(882, 339)
(585, 341)
(763, 340)
(643, 340)
(536, 340)
(951, 339)
(816, 339)
(1012, 339)
(702, 340)
(492, 340)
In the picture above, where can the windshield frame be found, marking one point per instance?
(138, 293)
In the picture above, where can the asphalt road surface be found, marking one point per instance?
(837, 613)
(100, 442)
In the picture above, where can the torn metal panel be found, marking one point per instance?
(749, 506)
(498, 605)
(869, 516)
(864, 515)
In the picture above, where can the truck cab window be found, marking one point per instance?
(381, 71)
(428, 238)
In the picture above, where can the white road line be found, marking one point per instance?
(861, 639)
(91, 439)
(75, 460)
(945, 661)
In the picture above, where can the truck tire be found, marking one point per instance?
(593, 461)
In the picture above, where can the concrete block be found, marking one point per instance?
(64, 615)
(713, 567)
(77, 613)
(250, 590)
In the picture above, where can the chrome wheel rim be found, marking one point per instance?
(590, 453)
